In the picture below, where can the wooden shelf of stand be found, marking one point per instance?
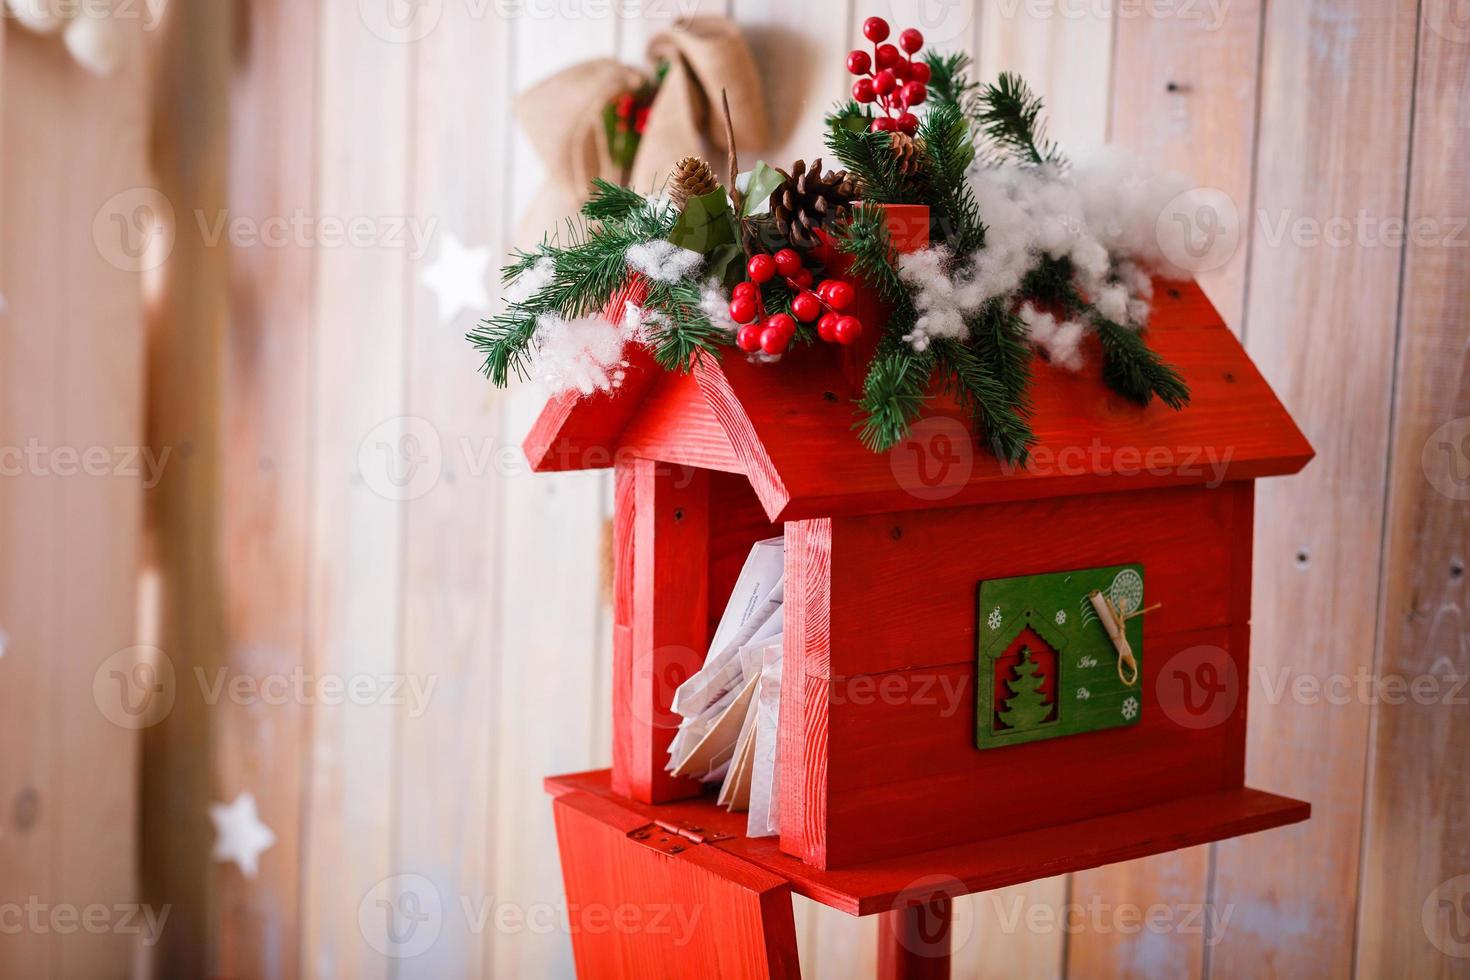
(977, 866)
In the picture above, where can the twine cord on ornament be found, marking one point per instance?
(1115, 622)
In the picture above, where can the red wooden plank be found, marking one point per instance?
(902, 773)
(637, 912)
(996, 862)
(1090, 440)
(892, 572)
(675, 424)
(803, 726)
(670, 568)
(624, 603)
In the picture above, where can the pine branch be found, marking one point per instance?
(869, 158)
(612, 202)
(590, 266)
(1011, 116)
(680, 332)
(1000, 339)
(949, 149)
(950, 83)
(988, 398)
(849, 115)
(1132, 368)
(894, 394)
(867, 240)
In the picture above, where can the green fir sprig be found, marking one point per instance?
(1010, 115)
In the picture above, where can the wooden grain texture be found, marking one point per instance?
(697, 913)
(1021, 855)
(442, 787)
(670, 618)
(360, 463)
(1417, 840)
(1183, 83)
(802, 727)
(265, 392)
(552, 623)
(1333, 144)
(1065, 53)
(189, 141)
(71, 357)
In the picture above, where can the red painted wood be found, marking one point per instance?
(803, 728)
(913, 941)
(670, 623)
(891, 572)
(636, 912)
(581, 433)
(1021, 855)
(903, 775)
(625, 486)
(790, 425)
(676, 425)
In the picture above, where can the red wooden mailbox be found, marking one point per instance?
(955, 716)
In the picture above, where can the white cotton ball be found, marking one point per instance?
(585, 354)
(95, 43)
(1061, 341)
(1065, 347)
(663, 261)
(41, 16)
(1112, 302)
(531, 282)
(1138, 311)
(716, 306)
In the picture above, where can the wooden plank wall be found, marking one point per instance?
(71, 388)
(312, 381)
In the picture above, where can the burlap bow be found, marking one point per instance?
(562, 116)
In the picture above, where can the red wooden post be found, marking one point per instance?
(913, 941)
(665, 595)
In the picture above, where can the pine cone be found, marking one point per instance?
(809, 200)
(909, 151)
(692, 177)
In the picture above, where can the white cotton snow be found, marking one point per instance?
(663, 261)
(716, 306)
(1062, 341)
(585, 354)
(531, 282)
(1102, 214)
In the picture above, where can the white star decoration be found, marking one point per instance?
(239, 834)
(457, 277)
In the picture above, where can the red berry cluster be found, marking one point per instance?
(773, 334)
(630, 114)
(895, 82)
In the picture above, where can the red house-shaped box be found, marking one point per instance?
(882, 783)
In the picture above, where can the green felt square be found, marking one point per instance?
(1058, 669)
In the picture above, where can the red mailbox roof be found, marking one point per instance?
(788, 427)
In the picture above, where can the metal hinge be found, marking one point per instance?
(672, 837)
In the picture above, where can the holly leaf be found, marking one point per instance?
(726, 263)
(764, 180)
(706, 224)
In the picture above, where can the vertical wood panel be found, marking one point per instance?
(1413, 913)
(1064, 51)
(186, 341)
(444, 831)
(1332, 144)
(356, 569)
(71, 351)
(265, 395)
(551, 623)
(1183, 98)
